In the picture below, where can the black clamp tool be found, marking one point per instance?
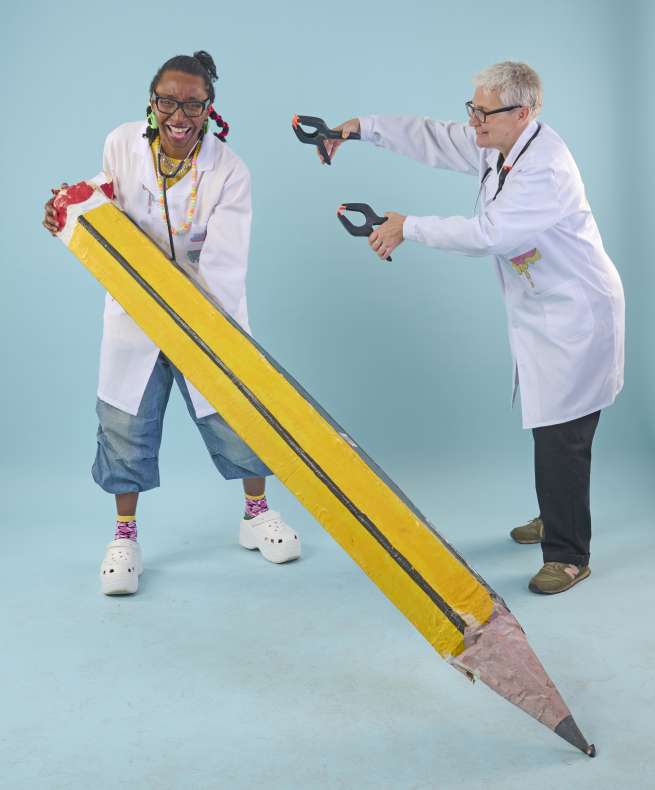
(360, 230)
(321, 134)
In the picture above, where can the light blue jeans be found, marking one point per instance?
(128, 447)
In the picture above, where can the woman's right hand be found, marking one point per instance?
(346, 129)
(50, 222)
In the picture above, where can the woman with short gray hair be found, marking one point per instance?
(562, 293)
(515, 83)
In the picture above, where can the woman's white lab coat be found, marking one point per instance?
(214, 251)
(563, 295)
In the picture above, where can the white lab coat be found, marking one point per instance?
(563, 295)
(214, 251)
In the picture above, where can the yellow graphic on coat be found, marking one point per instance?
(520, 263)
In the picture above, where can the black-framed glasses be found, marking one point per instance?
(192, 109)
(481, 115)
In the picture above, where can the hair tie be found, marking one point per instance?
(220, 123)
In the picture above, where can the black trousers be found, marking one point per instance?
(562, 470)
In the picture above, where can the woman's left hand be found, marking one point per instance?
(386, 237)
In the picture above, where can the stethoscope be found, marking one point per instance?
(503, 173)
(484, 178)
(164, 179)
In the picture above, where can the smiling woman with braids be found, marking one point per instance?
(190, 193)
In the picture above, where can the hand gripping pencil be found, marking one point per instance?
(467, 623)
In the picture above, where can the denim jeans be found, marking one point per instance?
(127, 457)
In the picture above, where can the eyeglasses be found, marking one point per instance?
(192, 109)
(481, 115)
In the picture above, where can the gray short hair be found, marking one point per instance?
(515, 82)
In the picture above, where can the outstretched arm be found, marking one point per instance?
(528, 205)
(444, 144)
(447, 145)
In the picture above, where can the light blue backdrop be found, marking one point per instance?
(412, 357)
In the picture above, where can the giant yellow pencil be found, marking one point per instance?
(466, 622)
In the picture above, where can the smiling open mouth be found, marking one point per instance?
(178, 132)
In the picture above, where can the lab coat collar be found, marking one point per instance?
(147, 174)
(526, 134)
(206, 155)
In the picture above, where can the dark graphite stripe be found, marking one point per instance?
(363, 519)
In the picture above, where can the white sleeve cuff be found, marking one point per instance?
(409, 228)
(366, 129)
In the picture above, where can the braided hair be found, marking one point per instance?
(200, 65)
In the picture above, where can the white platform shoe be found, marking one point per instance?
(268, 533)
(121, 568)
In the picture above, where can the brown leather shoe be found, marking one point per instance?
(530, 533)
(555, 577)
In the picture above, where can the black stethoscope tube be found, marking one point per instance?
(164, 178)
(168, 220)
(484, 178)
(501, 180)
(505, 171)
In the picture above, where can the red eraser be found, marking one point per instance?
(77, 193)
(108, 189)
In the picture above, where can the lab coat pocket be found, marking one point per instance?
(568, 312)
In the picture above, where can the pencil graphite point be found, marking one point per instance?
(498, 653)
(569, 730)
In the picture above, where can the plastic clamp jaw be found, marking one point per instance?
(367, 228)
(319, 135)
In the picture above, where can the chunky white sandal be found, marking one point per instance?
(268, 533)
(121, 568)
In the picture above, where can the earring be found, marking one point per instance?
(207, 126)
(152, 119)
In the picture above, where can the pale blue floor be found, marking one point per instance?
(226, 671)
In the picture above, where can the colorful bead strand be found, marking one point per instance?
(160, 182)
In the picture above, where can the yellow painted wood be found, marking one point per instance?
(445, 574)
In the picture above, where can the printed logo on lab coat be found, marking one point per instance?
(150, 198)
(520, 262)
(194, 256)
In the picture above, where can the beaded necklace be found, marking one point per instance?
(160, 181)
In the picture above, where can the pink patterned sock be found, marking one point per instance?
(125, 529)
(255, 506)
